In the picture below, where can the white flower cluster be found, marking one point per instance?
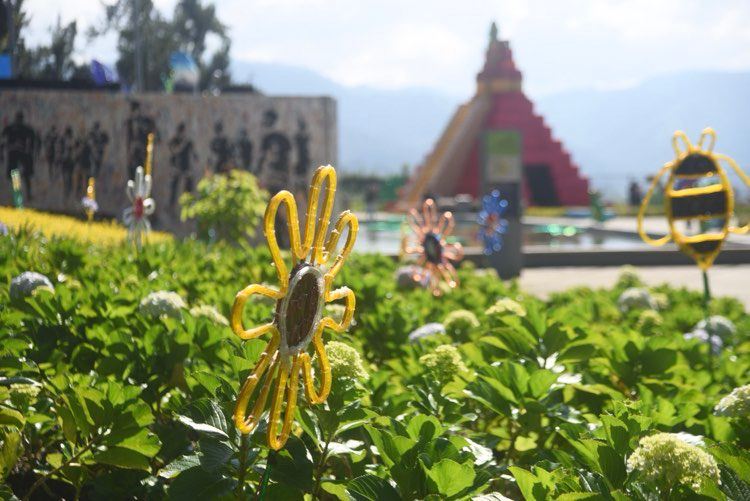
(27, 282)
(444, 363)
(628, 277)
(648, 319)
(717, 325)
(506, 306)
(162, 303)
(635, 298)
(716, 330)
(460, 322)
(209, 312)
(736, 404)
(345, 361)
(668, 459)
(427, 330)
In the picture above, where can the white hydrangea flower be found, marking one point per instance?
(136, 216)
(431, 329)
(648, 319)
(460, 322)
(27, 282)
(345, 361)
(736, 404)
(210, 313)
(628, 276)
(716, 343)
(635, 298)
(506, 306)
(444, 363)
(717, 325)
(162, 303)
(661, 300)
(667, 459)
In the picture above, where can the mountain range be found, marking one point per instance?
(613, 135)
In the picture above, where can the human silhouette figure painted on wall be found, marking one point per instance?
(83, 163)
(273, 164)
(181, 155)
(138, 126)
(50, 150)
(66, 157)
(20, 144)
(245, 149)
(222, 150)
(302, 141)
(98, 140)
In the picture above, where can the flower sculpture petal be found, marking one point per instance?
(492, 225)
(434, 252)
(136, 216)
(299, 319)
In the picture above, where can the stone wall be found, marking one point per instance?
(59, 138)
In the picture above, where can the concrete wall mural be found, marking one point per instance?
(58, 139)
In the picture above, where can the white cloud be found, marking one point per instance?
(440, 43)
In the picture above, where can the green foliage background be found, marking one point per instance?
(553, 403)
(225, 206)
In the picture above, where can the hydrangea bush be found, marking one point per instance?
(511, 396)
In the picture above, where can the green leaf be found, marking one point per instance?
(529, 485)
(202, 427)
(293, 465)
(372, 488)
(11, 417)
(447, 477)
(10, 447)
(123, 457)
(214, 454)
(197, 483)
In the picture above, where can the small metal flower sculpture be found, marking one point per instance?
(90, 207)
(492, 225)
(434, 252)
(136, 217)
(298, 320)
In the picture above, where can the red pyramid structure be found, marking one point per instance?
(549, 176)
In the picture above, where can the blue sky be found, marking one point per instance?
(559, 45)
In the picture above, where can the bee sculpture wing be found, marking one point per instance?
(745, 179)
(644, 205)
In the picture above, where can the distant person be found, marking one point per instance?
(275, 150)
(634, 194)
(20, 144)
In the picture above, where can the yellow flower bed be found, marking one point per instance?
(55, 225)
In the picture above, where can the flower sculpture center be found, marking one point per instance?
(433, 249)
(138, 208)
(299, 312)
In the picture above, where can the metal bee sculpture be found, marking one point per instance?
(492, 225)
(697, 191)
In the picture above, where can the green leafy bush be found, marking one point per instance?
(225, 206)
(540, 400)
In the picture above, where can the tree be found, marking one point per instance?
(55, 61)
(188, 31)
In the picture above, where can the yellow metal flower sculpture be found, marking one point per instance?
(298, 319)
(435, 253)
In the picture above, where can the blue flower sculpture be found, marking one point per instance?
(492, 225)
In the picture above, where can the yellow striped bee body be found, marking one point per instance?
(697, 192)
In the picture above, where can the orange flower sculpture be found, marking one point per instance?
(298, 321)
(434, 252)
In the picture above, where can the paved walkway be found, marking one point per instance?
(726, 280)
